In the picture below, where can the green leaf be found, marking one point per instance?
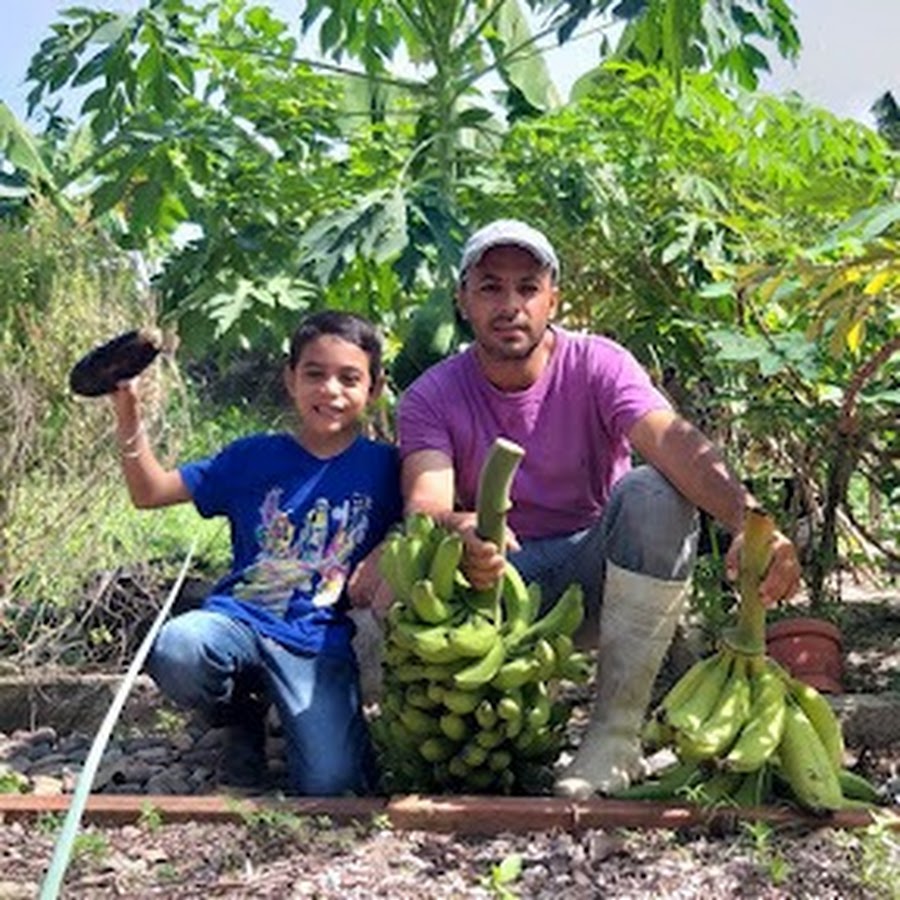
(519, 63)
(508, 869)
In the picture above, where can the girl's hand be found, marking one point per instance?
(366, 587)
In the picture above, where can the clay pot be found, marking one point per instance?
(810, 649)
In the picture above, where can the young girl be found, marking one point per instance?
(304, 509)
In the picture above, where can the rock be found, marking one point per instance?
(871, 720)
(18, 890)
(173, 780)
(46, 786)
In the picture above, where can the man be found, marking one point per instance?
(578, 404)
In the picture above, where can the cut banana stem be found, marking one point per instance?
(749, 636)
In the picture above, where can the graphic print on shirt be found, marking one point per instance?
(314, 559)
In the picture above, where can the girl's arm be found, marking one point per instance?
(149, 484)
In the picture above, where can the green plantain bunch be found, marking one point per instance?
(745, 731)
(471, 679)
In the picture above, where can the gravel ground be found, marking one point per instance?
(286, 857)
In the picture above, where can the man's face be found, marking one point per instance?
(508, 299)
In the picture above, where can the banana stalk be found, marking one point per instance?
(749, 634)
(493, 502)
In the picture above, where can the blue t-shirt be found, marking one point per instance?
(299, 524)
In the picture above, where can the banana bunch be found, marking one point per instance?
(746, 732)
(743, 729)
(470, 684)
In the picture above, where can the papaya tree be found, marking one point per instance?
(333, 179)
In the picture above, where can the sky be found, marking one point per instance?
(849, 56)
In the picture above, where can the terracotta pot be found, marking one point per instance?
(810, 649)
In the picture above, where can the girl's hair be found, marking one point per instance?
(348, 326)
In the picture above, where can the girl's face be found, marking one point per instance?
(331, 387)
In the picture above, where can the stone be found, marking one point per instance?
(872, 720)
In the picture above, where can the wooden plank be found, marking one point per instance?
(446, 813)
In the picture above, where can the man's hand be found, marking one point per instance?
(782, 578)
(367, 588)
(483, 561)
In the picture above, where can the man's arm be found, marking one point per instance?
(696, 467)
(428, 485)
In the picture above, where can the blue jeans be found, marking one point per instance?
(204, 659)
(646, 527)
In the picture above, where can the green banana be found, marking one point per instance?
(499, 760)
(474, 637)
(417, 695)
(418, 722)
(481, 779)
(457, 767)
(485, 714)
(668, 783)
(687, 685)
(818, 710)
(473, 755)
(443, 671)
(461, 702)
(563, 647)
(408, 672)
(444, 564)
(541, 746)
(490, 738)
(454, 727)
(720, 728)
(546, 658)
(432, 644)
(426, 604)
(509, 708)
(516, 602)
(516, 672)
(804, 762)
(563, 618)
(537, 705)
(401, 736)
(483, 670)
(437, 749)
(391, 568)
(764, 727)
(419, 525)
(394, 655)
(688, 715)
(412, 562)
(855, 787)
(577, 668)
(435, 691)
(754, 787)
(656, 734)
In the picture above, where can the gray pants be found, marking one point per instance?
(646, 527)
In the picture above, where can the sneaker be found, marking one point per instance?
(243, 763)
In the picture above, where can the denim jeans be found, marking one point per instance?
(646, 527)
(204, 659)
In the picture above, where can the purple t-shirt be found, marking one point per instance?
(572, 423)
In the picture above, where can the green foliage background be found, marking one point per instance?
(745, 247)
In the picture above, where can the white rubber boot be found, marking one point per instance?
(637, 623)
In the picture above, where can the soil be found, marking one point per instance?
(280, 855)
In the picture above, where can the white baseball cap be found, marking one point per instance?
(504, 233)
